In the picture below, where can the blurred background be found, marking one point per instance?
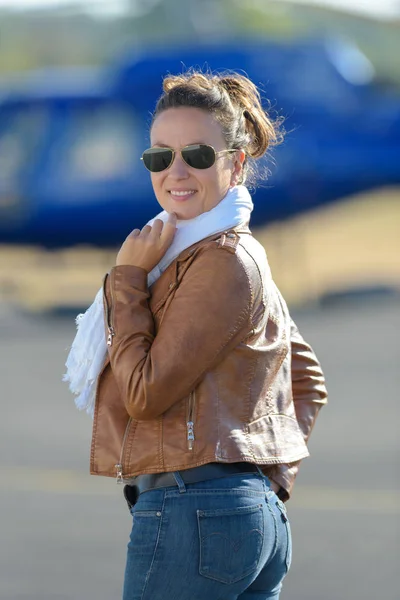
(78, 82)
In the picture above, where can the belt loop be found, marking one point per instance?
(265, 478)
(266, 484)
(179, 482)
(259, 470)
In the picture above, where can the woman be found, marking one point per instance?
(209, 393)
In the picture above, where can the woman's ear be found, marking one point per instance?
(238, 160)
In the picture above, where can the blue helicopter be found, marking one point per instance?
(71, 140)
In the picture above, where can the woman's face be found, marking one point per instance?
(181, 189)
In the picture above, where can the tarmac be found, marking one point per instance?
(64, 533)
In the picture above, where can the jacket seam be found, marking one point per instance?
(95, 424)
(264, 299)
(283, 354)
(129, 441)
(161, 441)
(161, 303)
(218, 415)
(252, 370)
(280, 459)
(251, 303)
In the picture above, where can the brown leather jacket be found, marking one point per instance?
(205, 366)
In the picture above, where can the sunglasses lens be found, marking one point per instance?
(199, 156)
(157, 159)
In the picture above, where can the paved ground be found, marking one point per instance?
(63, 533)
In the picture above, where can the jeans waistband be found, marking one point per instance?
(146, 482)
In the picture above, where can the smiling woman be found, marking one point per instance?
(223, 117)
(180, 188)
(205, 393)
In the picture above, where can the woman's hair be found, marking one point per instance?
(235, 103)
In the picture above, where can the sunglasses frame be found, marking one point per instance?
(216, 154)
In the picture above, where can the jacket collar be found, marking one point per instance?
(187, 253)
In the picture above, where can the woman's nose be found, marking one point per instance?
(178, 169)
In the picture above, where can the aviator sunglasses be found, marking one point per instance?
(198, 156)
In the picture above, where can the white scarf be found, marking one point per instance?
(89, 349)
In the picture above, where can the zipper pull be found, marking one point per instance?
(118, 468)
(190, 434)
(111, 334)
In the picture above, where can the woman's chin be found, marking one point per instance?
(184, 214)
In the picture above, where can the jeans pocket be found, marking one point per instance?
(131, 495)
(142, 549)
(231, 542)
(285, 520)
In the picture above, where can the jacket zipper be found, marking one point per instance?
(96, 404)
(111, 333)
(118, 466)
(190, 421)
(110, 328)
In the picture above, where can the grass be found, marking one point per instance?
(351, 244)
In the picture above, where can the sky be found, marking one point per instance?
(384, 9)
(111, 7)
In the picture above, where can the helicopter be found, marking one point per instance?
(71, 139)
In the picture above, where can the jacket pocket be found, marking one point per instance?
(231, 542)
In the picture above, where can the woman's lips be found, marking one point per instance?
(181, 195)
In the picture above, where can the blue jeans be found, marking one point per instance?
(220, 539)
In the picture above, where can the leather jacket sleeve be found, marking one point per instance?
(309, 395)
(211, 313)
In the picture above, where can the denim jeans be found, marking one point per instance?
(220, 539)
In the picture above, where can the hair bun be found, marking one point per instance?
(263, 132)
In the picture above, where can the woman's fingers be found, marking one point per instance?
(146, 230)
(145, 248)
(169, 230)
(157, 228)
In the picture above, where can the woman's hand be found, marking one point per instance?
(275, 487)
(146, 248)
